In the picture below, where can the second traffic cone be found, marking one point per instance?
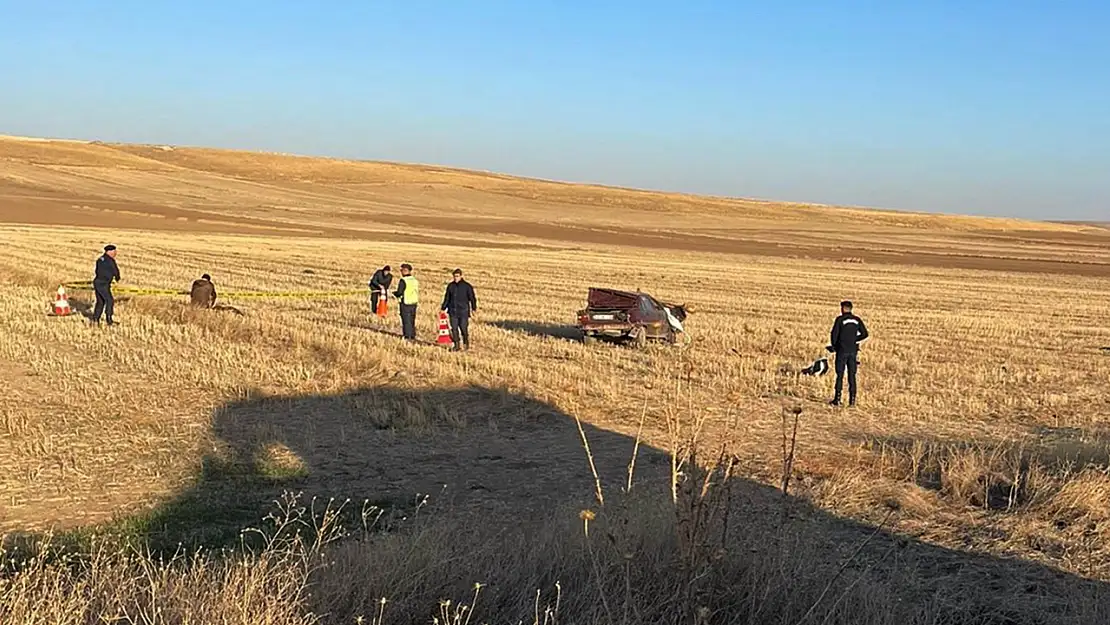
(444, 337)
(61, 303)
(383, 309)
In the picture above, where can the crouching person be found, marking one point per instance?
(203, 293)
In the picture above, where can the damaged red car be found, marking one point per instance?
(630, 317)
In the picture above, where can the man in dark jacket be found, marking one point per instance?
(107, 271)
(379, 286)
(848, 332)
(203, 293)
(458, 302)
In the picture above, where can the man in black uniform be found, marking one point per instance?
(379, 287)
(458, 302)
(107, 271)
(848, 332)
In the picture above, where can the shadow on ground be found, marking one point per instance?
(532, 328)
(226, 308)
(84, 303)
(387, 331)
(513, 461)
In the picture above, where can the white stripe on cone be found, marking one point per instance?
(444, 337)
(61, 304)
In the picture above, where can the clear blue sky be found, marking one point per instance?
(981, 106)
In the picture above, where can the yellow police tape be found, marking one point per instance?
(128, 290)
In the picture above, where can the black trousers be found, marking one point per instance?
(375, 295)
(105, 303)
(847, 362)
(460, 325)
(408, 321)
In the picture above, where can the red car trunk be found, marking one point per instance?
(610, 299)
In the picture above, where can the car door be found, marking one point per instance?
(652, 316)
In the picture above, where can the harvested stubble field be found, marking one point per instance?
(972, 485)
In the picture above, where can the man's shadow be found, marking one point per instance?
(80, 305)
(226, 308)
(511, 458)
(84, 303)
(385, 330)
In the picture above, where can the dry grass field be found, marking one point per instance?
(971, 485)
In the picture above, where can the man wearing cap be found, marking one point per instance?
(203, 293)
(848, 332)
(379, 286)
(107, 271)
(408, 292)
(458, 302)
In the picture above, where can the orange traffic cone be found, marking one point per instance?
(444, 337)
(61, 304)
(383, 308)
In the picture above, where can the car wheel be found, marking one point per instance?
(639, 339)
(588, 339)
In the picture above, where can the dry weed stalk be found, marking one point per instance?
(790, 419)
(702, 498)
(550, 613)
(598, 492)
(589, 515)
(457, 613)
(704, 494)
(636, 448)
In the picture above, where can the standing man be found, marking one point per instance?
(408, 292)
(848, 332)
(203, 293)
(458, 302)
(107, 271)
(379, 287)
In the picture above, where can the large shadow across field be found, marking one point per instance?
(513, 460)
(472, 449)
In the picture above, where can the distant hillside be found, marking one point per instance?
(157, 187)
(1096, 224)
(147, 162)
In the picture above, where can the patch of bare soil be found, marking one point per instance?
(45, 210)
